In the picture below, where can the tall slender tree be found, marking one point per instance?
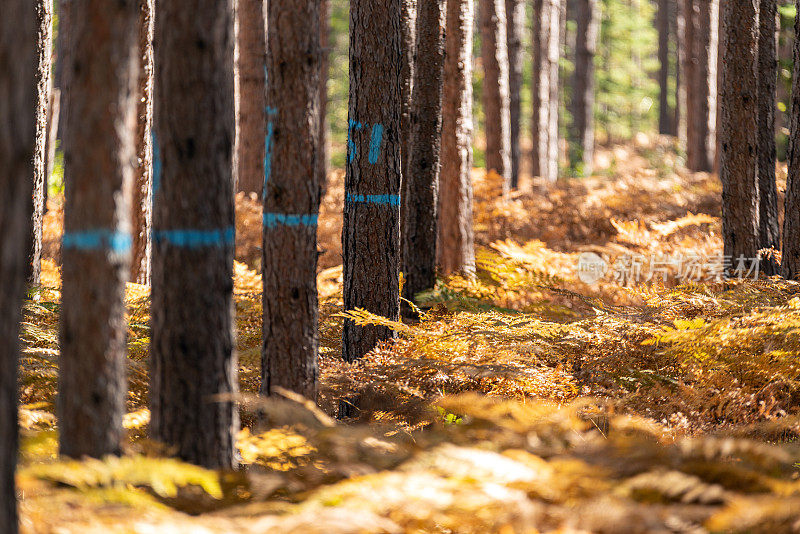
(142, 205)
(496, 102)
(790, 264)
(768, 229)
(421, 186)
(582, 142)
(99, 152)
(291, 200)
(18, 66)
(408, 21)
(193, 365)
(44, 19)
(372, 184)
(251, 115)
(738, 130)
(323, 162)
(456, 242)
(546, 52)
(515, 15)
(665, 114)
(702, 24)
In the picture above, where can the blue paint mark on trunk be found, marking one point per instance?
(375, 143)
(268, 154)
(86, 240)
(390, 200)
(194, 239)
(272, 220)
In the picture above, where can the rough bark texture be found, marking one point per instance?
(582, 142)
(18, 65)
(44, 47)
(192, 360)
(99, 152)
(408, 20)
(768, 230)
(456, 241)
(790, 265)
(684, 73)
(291, 205)
(702, 23)
(421, 186)
(496, 102)
(547, 42)
(142, 205)
(372, 185)
(252, 118)
(739, 140)
(515, 14)
(665, 115)
(323, 161)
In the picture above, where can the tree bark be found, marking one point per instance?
(18, 118)
(683, 74)
(99, 151)
(292, 195)
(44, 47)
(251, 115)
(582, 143)
(408, 23)
(547, 42)
(515, 13)
(665, 115)
(496, 102)
(456, 242)
(372, 185)
(142, 205)
(768, 230)
(790, 265)
(738, 130)
(193, 365)
(323, 162)
(421, 186)
(702, 23)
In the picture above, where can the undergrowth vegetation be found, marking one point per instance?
(521, 400)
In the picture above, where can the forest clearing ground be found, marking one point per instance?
(668, 368)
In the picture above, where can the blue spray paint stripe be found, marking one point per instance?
(268, 154)
(352, 151)
(375, 143)
(391, 200)
(194, 239)
(156, 164)
(118, 242)
(272, 220)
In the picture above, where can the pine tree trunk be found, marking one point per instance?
(456, 242)
(682, 74)
(372, 185)
(18, 83)
(515, 13)
(547, 43)
(538, 82)
(768, 231)
(665, 115)
(192, 358)
(53, 115)
(496, 102)
(409, 33)
(142, 205)
(738, 131)
(790, 265)
(44, 47)
(702, 35)
(421, 186)
(582, 143)
(252, 118)
(99, 151)
(323, 163)
(292, 195)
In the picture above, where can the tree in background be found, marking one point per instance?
(251, 105)
(44, 47)
(666, 116)
(142, 205)
(18, 119)
(738, 130)
(546, 53)
(582, 142)
(408, 20)
(291, 198)
(192, 363)
(768, 229)
(421, 185)
(456, 248)
(371, 230)
(99, 151)
(790, 264)
(494, 56)
(515, 15)
(323, 162)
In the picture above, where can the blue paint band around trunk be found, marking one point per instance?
(272, 220)
(194, 239)
(117, 242)
(390, 200)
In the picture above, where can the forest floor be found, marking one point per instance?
(651, 397)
